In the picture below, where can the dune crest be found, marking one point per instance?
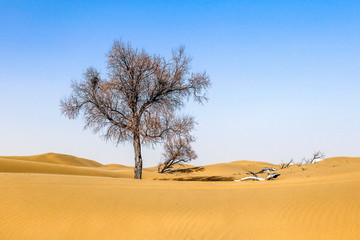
(57, 158)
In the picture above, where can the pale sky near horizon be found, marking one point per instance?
(285, 74)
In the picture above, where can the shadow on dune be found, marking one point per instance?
(199, 178)
(187, 170)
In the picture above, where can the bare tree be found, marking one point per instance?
(139, 99)
(316, 156)
(177, 151)
(286, 165)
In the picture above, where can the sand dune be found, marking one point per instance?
(117, 166)
(235, 168)
(59, 164)
(319, 201)
(57, 158)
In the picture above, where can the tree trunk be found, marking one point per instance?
(138, 158)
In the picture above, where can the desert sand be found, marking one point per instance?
(55, 196)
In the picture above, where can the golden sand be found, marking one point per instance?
(55, 196)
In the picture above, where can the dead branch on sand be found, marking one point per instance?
(270, 171)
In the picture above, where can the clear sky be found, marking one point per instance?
(285, 74)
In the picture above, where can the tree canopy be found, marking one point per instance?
(139, 99)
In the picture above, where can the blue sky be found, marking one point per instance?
(285, 74)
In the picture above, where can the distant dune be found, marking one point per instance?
(56, 196)
(57, 158)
